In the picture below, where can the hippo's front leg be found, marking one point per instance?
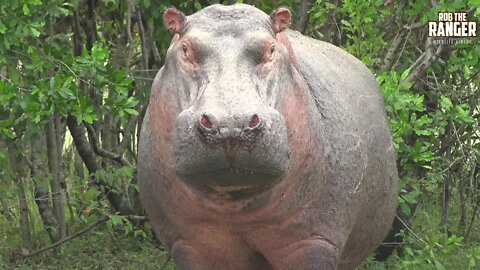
(221, 256)
(307, 254)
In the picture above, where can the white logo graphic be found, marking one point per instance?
(452, 24)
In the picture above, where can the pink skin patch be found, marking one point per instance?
(188, 55)
(162, 117)
(205, 121)
(254, 122)
(281, 19)
(283, 39)
(174, 20)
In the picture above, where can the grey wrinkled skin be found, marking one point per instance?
(247, 163)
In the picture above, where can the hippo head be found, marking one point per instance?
(228, 70)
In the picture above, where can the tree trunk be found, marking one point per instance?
(18, 175)
(42, 196)
(300, 22)
(445, 201)
(54, 166)
(462, 221)
(468, 196)
(60, 128)
(118, 201)
(79, 170)
(24, 220)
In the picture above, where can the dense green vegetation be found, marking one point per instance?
(74, 84)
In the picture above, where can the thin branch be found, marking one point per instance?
(451, 164)
(82, 145)
(143, 78)
(145, 70)
(135, 217)
(88, 156)
(143, 40)
(426, 60)
(302, 17)
(387, 62)
(129, 129)
(131, 42)
(399, 56)
(472, 220)
(414, 26)
(58, 243)
(411, 231)
(102, 152)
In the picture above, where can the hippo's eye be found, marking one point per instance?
(185, 49)
(187, 53)
(270, 52)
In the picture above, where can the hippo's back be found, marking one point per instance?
(353, 123)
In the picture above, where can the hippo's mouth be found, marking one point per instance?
(233, 183)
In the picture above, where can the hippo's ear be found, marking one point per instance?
(174, 19)
(281, 19)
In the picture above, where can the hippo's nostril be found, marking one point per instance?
(254, 121)
(205, 121)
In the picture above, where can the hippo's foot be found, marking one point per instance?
(199, 256)
(308, 254)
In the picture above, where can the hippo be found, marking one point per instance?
(262, 148)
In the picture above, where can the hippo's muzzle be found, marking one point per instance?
(230, 156)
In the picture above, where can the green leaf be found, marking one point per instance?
(197, 5)
(8, 133)
(405, 208)
(131, 111)
(6, 43)
(439, 266)
(91, 194)
(404, 74)
(471, 263)
(346, 23)
(466, 72)
(25, 9)
(35, 32)
(116, 219)
(3, 28)
(446, 103)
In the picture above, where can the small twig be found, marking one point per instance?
(403, 49)
(411, 231)
(58, 243)
(414, 26)
(135, 217)
(142, 78)
(450, 166)
(145, 70)
(458, 138)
